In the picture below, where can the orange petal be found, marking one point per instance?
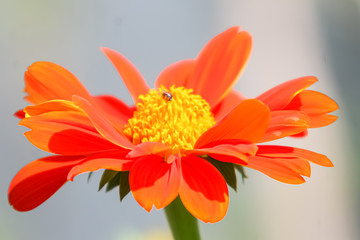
(321, 120)
(52, 106)
(203, 190)
(279, 169)
(247, 122)
(150, 148)
(115, 160)
(225, 106)
(102, 125)
(176, 74)
(316, 105)
(39, 180)
(285, 123)
(154, 182)
(219, 65)
(69, 133)
(238, 153)
(312, 102)
(282, 151)
(280, 96)
(47, 81)
(128, 72)
(116, 111)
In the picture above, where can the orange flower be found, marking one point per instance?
(184, 138)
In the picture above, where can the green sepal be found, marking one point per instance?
(89, 176)
(124, 187)
(226, 169)
(114, 182)
(107, 176)
(241, 171)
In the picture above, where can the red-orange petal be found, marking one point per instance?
(39, 180)
(227, 104)
(154, 182)
(283, 151)
(280, 169)
(285, 123)
(20, 114)
(248, 122)
(203, 190)
(102, 124)
(219, 64)
(114, 160)
(115, 110)
(280, 96)
(177, 74)
(128, 72)
(46, 81)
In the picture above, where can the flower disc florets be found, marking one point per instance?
(175, 117)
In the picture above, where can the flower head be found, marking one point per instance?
(184, 138)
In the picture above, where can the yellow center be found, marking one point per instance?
(176, 118)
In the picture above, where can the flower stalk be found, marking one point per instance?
(183, 225)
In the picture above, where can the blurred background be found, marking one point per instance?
(290, 39)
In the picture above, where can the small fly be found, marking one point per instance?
(167, 96)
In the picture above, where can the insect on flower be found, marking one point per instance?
(167, 96)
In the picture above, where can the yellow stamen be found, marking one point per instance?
(176, 118)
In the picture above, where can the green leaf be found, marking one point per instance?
(124, 187)
(227, 170)
(114, 182)
(241, 171)
(107, 176)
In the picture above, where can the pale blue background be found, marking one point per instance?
(291, 39)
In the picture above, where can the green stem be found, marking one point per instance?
(183, 225)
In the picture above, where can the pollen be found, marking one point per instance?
(175, 117)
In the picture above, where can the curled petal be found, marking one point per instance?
(285, 123)
(155, 182)
(46, 81)
(312, 102)
(129, 74)
(114, 160)
(177, 74)
(248, 122)
(316, 105)
(227, 104)
(283, 151)
(280, 96)
(39, 180)
(103, 125)
(203, 190)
